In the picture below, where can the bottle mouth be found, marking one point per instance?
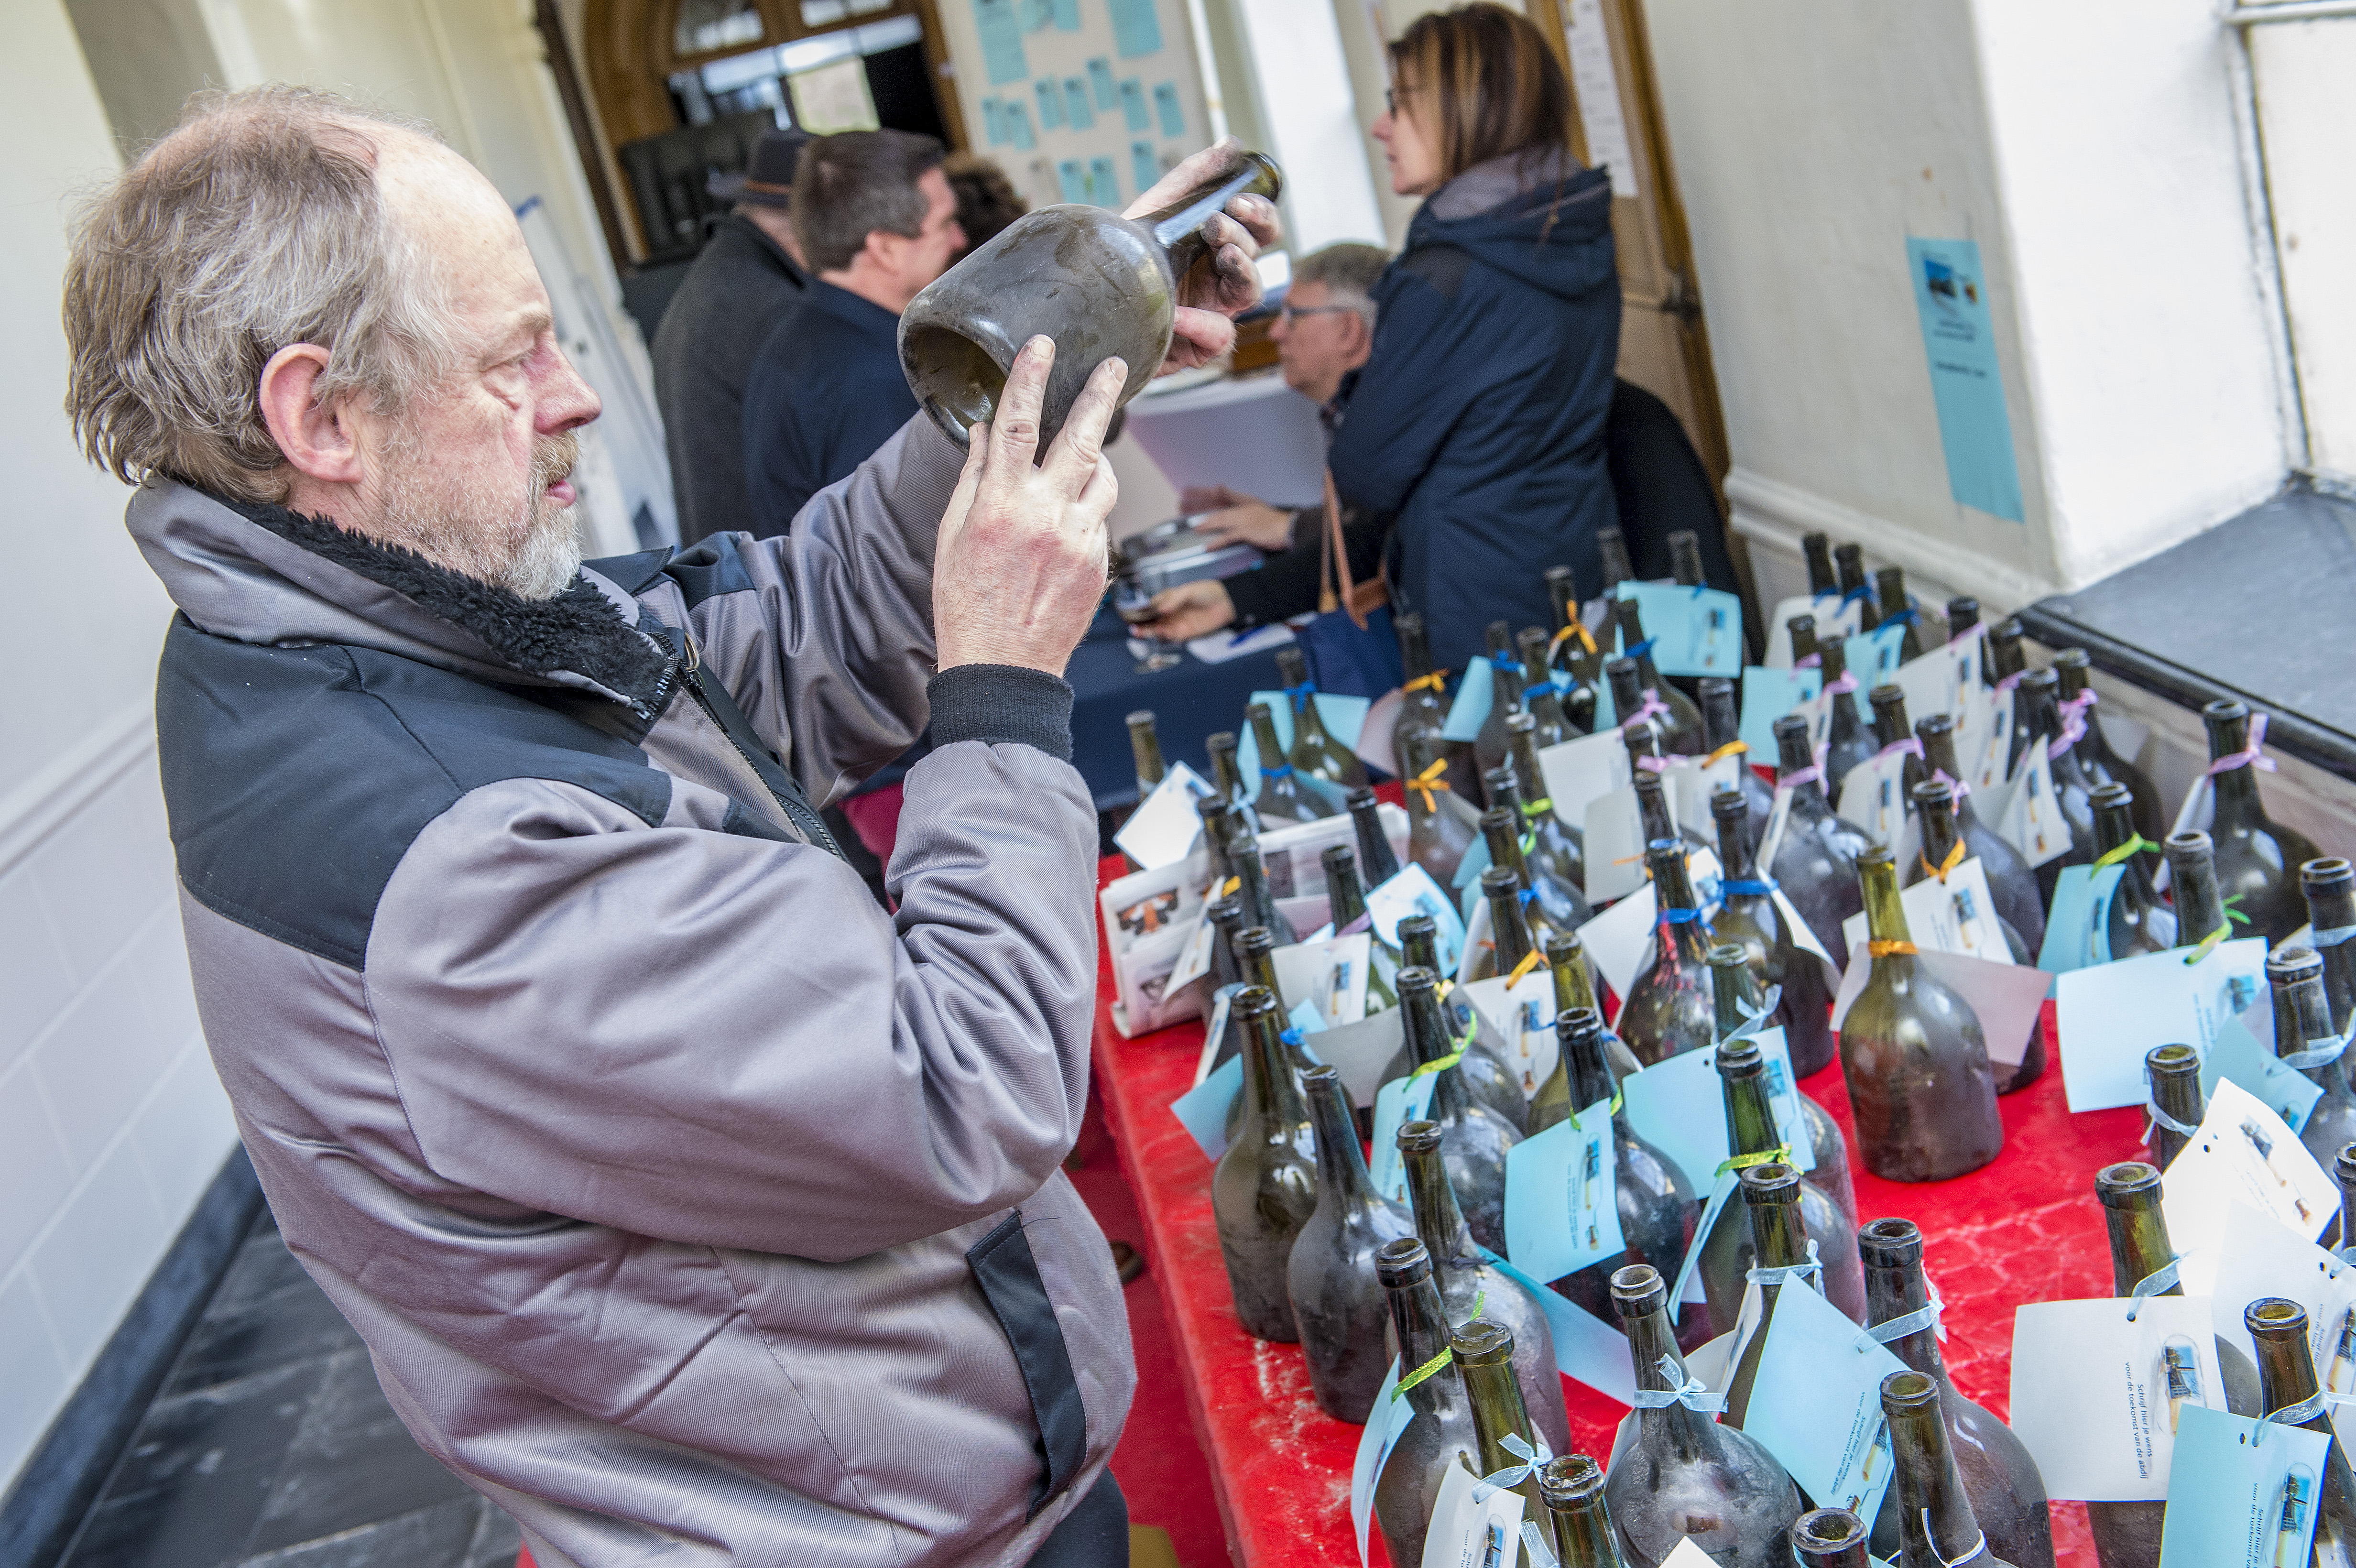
(1905, 1391)
(954, 378)
(2130, 1184)
(1890, 1243)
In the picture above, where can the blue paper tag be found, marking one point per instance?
(1584, 1346)
(1876, 656)
(1562, 1203)
(1308, 1021)
(1413, 892)
(2238, 1056)
(1386, 1424)
(1816, 1402)
(2075, 931)
(1475, 693)
(1475, 861)
(1396, 1102)
(2241, 1491)
(1679, 1108)
(1343, 717)
(1203, 1110)
(1694, 631)
(1721, 1189)
(1767, 696)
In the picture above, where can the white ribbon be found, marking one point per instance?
(1512, 1475)
(1914, 1322)
(2304, 1411)
(1753, 1024)
(2158, 1281)
(2322, 1055)
(1689, 1393)
(1788, 1273)
(1979, 1548)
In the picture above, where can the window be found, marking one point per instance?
(704, 26)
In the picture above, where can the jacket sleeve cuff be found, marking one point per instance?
(995, 703)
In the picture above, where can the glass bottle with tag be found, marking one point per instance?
(1653, 820)
(2302, 1012)
(1440, 823)
(1423, 705)
(1285, 796)
(1612, 547)
(2128, 1532)
(1484, 1349)
(1769, 1196)
(1440, 1436)
(2192, 884)
(2257, 858)
(1848, 562)
(2278, 1327)
(1220, 821)
(1575, 986)
(1347, 901)
(1890, 728)
(1802, 629)
(2139, 922)
(1559, 903)
(1575, 652)
(1816, 549)
(1963, 614)
(2174, 1072)
(1540, 701)
(1816, 861)
(2097, 757)
(1377, 861)
(2341, 1378)
(1226, 918)
(2011, 882)
(1337, 1303)
(1936, 1517)
(2005, 658)
(1684, 558)
(1470, 1287)
(1655, 1203)
(1419, 945)
(1889, 593)
(1474, 1135)
(1571, 1487)
(1424, 1026)
(1556, 847)
(1920, 1082)
(1255, 957)
(1250, 874)
(1747, 917)
(1829, 1538)
(1505, 696)
(1668, 1008)
(1509, 927)
(1688, 1475)
(1626, 684)
(1265, 1186)
(1228, 778)
(1736, 997)
(2037, 721)
(1145, 749)
(1847, 742)
(1943, 850)
(1315, 754)
(1721, 726)
(1682, 723)
(2329, 886)
(1999, 1475)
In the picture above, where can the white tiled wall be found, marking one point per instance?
(111, 1119)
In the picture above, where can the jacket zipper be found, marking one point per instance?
(803, 817)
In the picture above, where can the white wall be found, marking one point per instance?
(110, 1120)
(2307, 114)
(1312, 123)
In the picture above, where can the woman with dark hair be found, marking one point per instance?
(1477, 422)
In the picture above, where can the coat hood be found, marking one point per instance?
(1540, 218)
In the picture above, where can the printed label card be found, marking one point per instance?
(2032, 822)
(1832, 613)
(1163, 828)
(2107, 1016)
(1203, 1110)
(2243, 1153)
(1695, 783)
(1816, 1402)
(1476, 690)
(2262, 1258)
(2248, 1494)
(1578, 772)
(2237, 1055)
(1953, 916)
(1470, 1529)
(1769, 693)
(2077, 927)
(1477, 940)
(1584, 1347)
(1989, 758)
(1396, 1102)
(1875, 656)
(1695, 631)
(1872, 797)
(1615, 842)
(1194, 957)
(1330, 976)
(1413, 892)
(1386, 1424)
(2098, 1398)
(1563, 1203)
(1523, 1017)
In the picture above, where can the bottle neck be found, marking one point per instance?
(2178, 1094)
(1582, 1058)
(1346, 900)
(1524, 750)
(1341, 1162)
(2139, 1248)
(1930, 1489)
(1777, 1234)
(1420, 948)
(2235, 789)
(1573, 988)
(1719, 721)
(1940, 832)
(1420, 1320)
(1145, 748)
(1792, 757)
(1690, 1433)
(2287, 1375)
(1584, 1528)
(1750, 1116)
(1274, 1093)
(1439, 1222)
(1885, 918)
(1429, 1040)
(1510, 930)
(1308, 725)
(1678, 911)
(1495, 1396)
(1564, 595)
(2199, 909)
(1893, 1291)
(1252, 882)
(1260, 969)
(1226, 775)
(1653, 813)
(1376, 859)
(2303, 1018)
(1415, 649)
(1271, 751)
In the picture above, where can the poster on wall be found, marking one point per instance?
(1966, 382)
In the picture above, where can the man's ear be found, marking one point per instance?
(317, 439)
(883, 251)
(1358, 336)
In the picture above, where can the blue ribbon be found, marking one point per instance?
(1675, 916)
(1283, 772)
(1857, 594)
(1307, 688)
(1541, 685)
(1641, 650)
(1907, 616)
(1761, 885)
(1526, 895)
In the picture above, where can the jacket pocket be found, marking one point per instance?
(1009, 1276)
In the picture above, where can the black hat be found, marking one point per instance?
(770, 181)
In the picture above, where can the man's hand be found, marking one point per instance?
(1254, 522)
(1196, 498)
(1190, 610)
(1223, 285)
(1020, 567)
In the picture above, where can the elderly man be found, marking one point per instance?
(691, 1208)
(1324, 334)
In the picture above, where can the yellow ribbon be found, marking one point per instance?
(1955, 858)
(1427, 781)
(1537, 807)
(1421, 1373)
(1586, 638)
(2136, 841)
(1433, 682)
(1233, 883)
(1731, 749)
(1891, 949)
(2208, 944)
(1776, 1155)
(1439, 1063)
(1530, 960)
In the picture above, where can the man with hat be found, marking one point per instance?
(750, 277)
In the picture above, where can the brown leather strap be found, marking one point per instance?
(1359, 599)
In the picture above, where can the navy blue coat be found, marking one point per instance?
(1478, 419)
(825, 392)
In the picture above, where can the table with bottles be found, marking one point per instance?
(2024, 1228)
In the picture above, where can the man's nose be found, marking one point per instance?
(567, 403)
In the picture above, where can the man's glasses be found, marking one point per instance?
(1287, 314)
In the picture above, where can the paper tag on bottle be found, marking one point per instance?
(2107, 1016)
(1679, 1108)
(1833, 613)
(2243, 1493)
(2032, 822)
(2262, 1258)
(1387, 1422)
(1932, 681)
(1615, 842)
(2009, 999)
(1767, 695)
(1343, 717)
(1163, 830)
(1470, 1530)
(2237, 1055)
(2077, 927)
(1815, 1403)
(1686, 1554)
(1695, 631)
(1577, 771)
(1331, 974)
(1584, 1347)
(1563, 1205)
(1214, 1034)
(1203, 1110)
(1803, 935)
(1990, 760)
(1396, 1102)
(1872, 795)
(2097, 1398)
(1955, 916)
(1619, 940)
(1413, 892)
(1195, 957)
(2243, 1151)
(1476, 690)
(1779, 822)
(1522, 1016)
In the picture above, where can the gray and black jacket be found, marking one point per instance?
(692, 1207)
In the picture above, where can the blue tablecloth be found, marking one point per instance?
(1191, 702)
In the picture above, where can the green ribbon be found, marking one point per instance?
(2208, 944)
(1421, 1373)
(1617, 1100)
(2135, 842)
(1776, 1155)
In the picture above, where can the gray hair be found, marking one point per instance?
(850, 185)
(1349, 271)
(256, 224)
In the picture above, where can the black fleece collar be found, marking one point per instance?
(578, 631)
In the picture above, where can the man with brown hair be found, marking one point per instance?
(691, 1208)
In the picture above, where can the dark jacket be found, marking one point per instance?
(738, 289)
(826, 391)
(1478, 419)
(1287, 583)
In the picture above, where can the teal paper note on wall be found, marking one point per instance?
(1132, 105)
(1071, 179)
(1966, 383)
(1141, 165)
(993, 122)
(1100, 82)
(1051, 105)
(1136, 30)
(1018, 126)
(1034, 14)
(1104, 185)
(1076, 104)
(1067, 15)
(1165, 103)
(1001, 40)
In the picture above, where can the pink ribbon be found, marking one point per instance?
(1846, 684)
(1958, 785)
(2004, 687)
(1814, 661)
(2074, 724)
(1662, 765)
(1908, 747)
(2249, 756)
(1652, 705)
(1813, 774)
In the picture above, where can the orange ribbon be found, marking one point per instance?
(1890, 949)
(1233, 883)
(1731, 749)
(1530, 960)
(1586, 638)
(1433, 682)
(1427, 781)
(1955, 858)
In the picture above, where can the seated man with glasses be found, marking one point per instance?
(1324, 332)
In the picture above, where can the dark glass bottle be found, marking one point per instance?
(1829, 1538)
(2097, 756)
(1848, 562)
(1683, 721)
(1653, 808)
(1654, 1201)
(1747, 917)
(1286, 794)
(1817, 549)
(1963, 614)
(1890, 728)
(1484, 1349)
(1817, 863)
(2005, 658)
(1571, 1487)
(1847, 742)
(1727, 1254)
(1999, 1475)
(1423, 708)
(2303, 1022)
(2127, 1534)
(1669, 1009)
(1346, 900)
(1642, 733)
(1575, 652)
(1424, 1026)
(1936, 1516)
(1509, 928)
(1505, 689)
(1337, 1303)
(2257, 858)
(2012, 883)
(2175, 1074)
(1735, 996)
(2037, 721)
(1250, 875)
(1493, 1080)
(1889, 589)
(2330, 884)
(1558, 903)
(1474, 1136)
(1440, 1436)
(1226, 918)
(1769, 1196)
(1721, 725)
(2139, 922)
(1376, 859)
(1227, 777)
(2285, 1378)
(1441, 824)
(1802, 630)
(1145, 749)
(1315, 754)
(2342, 1376)
(1684, 558)
(2192, 883)
(1612, 545)
(1934, 807)
(1470, 1287)
(1265, 1186)
(1687, 1474)
(1219, 822)
(1556, 850)
(1919, 1083)
(1540, 700)
(1575, 984)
